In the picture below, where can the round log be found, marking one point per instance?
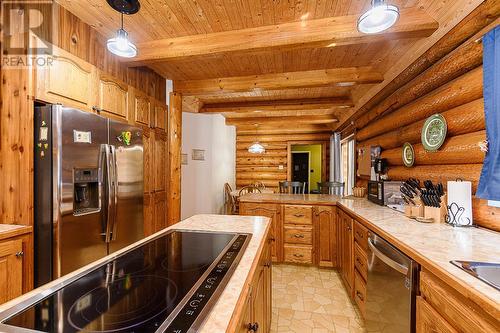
(438, 173)
(264, 168)
(484, 15)
(464, 89)
(270, 153)
(267, 145)
(261, 161)
(462, 149)
(260, 176)
(463, 59)
(460, 120)
(283, 137)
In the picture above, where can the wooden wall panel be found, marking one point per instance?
(174, 159)
(459, 100)
(265, 168)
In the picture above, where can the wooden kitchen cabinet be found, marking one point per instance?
(324, 220)
(113, 101)
(160, 159)
(141, 108)
(273, 211)
(160, 115)
(68, 80)
(148, 214)
(11, 269)
(148, 158)
(160, 211)
(347, 251)
(257, 311)
(429, 321)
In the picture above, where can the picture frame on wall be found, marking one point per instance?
(198, 155)
(184, 159)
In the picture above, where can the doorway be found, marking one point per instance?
(301, 161)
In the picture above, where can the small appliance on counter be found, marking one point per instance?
(386, 193)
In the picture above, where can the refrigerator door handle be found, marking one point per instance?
(109, 194)
(114, 181)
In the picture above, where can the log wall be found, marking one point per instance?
(453, 87)
(251, 168)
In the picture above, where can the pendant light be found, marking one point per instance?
(120, 45)
(256, 147)
(379, 18)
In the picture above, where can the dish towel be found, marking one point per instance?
(489, 182)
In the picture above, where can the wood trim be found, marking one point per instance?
(174, 159)
(326, 32)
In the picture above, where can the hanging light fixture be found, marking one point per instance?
(120, 45)
(379, 18)
(256, 147)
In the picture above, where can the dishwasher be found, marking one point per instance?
(390, 290)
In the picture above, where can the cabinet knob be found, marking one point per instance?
(20, 254)
(360, 296)
(253, 327)
(299, 236)
(267, 264)
(298, 255)
(298, 215)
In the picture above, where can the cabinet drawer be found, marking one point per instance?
(361, 235)
(298, 214)
(298, 253)
(298, 235)
(429, 321)
(360, 261)
(360, 292)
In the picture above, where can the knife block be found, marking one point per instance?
(416, 210)
(438, 214)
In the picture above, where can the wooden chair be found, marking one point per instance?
(230, 206)
(259, 185)
(292, 187)
(249, 189)
(335, 188)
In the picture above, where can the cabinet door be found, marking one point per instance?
(160, 165)
(113, 97)
(11, 269)
(160, 115)
(348, 251)
(148, 162)
(246, 318)
(272, 211)
(259, 302)
(149, 222)
(429, 321)
(160, 210)
(325, 236)
(268, 285)
(69, 80)
(141, 106)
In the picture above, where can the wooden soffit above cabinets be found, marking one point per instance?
(288, 66)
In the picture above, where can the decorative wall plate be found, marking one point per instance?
(408, 155)
(434, 132)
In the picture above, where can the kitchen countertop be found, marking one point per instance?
(220, 315)
(12, 230)
(431, 245)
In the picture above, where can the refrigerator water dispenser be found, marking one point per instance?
(86, 191)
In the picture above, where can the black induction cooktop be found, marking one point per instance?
(165, 285)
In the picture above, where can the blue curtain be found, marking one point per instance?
(489, 182)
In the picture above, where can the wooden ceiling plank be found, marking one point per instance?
(325, 32)
(290, 121)
(313, 78)
(279, 105)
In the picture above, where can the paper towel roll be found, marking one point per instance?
(460, 202)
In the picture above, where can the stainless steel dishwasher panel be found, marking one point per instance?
(391, 287)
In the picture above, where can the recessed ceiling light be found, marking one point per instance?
(379, 18)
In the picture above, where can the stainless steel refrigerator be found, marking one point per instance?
(88, 198)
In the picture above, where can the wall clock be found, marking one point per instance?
(408, 155)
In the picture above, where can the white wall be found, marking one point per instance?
(203, 181)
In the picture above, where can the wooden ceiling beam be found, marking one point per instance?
(326, 32)
(284, 129)
(290, 121)
(348, 76)
(279, 105)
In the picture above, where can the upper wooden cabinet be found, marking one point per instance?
(324, 218)
(160, 115)
(141, 108)
(113, 97)
(68, 80)
(11, 269)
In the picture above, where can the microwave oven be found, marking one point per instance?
(385, 192)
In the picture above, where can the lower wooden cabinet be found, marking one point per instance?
(346, 238)
(257, 311)
(11, 269)
(324, 220)
(429, 321)
(273, 211)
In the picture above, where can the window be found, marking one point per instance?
(348, 165)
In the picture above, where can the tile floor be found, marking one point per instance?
(309, 299)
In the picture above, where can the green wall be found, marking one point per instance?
(315, 153)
